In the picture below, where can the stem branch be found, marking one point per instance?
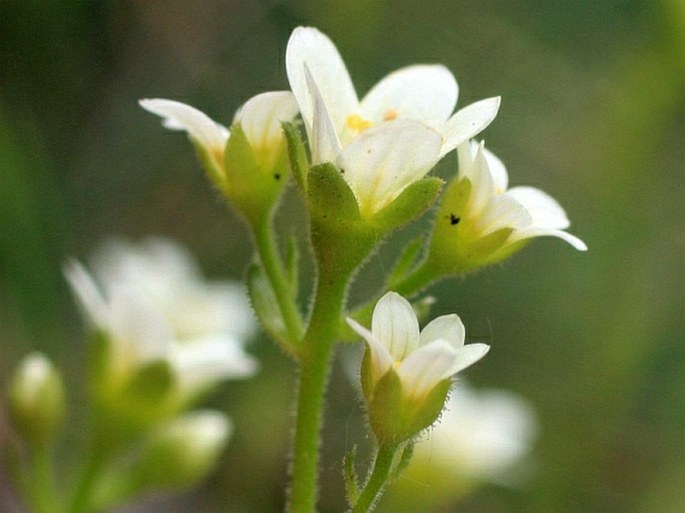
(379, 476)
(268, 254)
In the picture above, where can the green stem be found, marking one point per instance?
(379, 476)
(415, 281)
(41, 487)
(408, 286)
(315, 362)
(268, 254)
(82, 495)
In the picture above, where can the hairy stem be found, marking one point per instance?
(315, 362)
(377, 480)
(268, 254)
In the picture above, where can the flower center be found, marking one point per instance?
(358, 123)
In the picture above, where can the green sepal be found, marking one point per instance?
(297, 154)
(215, 173)
(132, 403)
(454, 249)
(365, 375)
(292, 260)
(150, 386)
(410, 204)
(265, 306)
(331, 198)
(341, 238)
(405, 262)
(350, 476)
(395, 418)
(250, 187)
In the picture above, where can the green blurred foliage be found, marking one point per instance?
(593, 113)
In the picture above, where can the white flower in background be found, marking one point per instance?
(183, 451)
(492, 206)
(482, 434)
(152, 303)
(260, 118)
(394, 135)
(421, 359)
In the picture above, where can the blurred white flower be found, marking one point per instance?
(420, 359)
(394, 135)
(492, 206)
(151, 301)
(482, 434)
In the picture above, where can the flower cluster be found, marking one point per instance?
(162, 335)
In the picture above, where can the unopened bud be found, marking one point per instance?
(36, 399)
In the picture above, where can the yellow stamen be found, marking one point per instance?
(390, 115)
(358, 123)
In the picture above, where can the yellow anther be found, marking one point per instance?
(358, 123)
(390, 115)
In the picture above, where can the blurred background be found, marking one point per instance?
(593, 113)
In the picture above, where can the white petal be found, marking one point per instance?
(87, 293)
(383, 160)
(502, 211)
(473, 165)
(395, 325)
(432, 363)
(381, 361)
(533, 231)
(262, 115)
(468, 122)
(206, 361)
(426, 367)
(467, 356)
(323, 140)
(425, 93)
(179, 116)
(309, 46)
(446, 327)
(544, 210)
(498, 171)
(138, 325)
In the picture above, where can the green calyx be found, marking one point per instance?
(396, 417)
(338, 227)
(254, 178)
(455, 247)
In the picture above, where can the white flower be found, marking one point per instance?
(394, 135)
(152, 303)
(491, 206)
(481, 435)
(260, 118)
(421, 359)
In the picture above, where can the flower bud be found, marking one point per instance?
(36, 399)
(184, 451)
